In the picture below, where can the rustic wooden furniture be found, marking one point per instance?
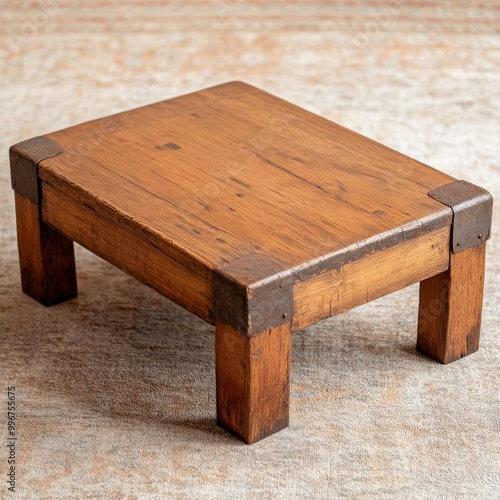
(258, 217)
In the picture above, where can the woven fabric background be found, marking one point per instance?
(116, 389)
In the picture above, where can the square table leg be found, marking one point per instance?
(46, 256)
(253, 381)
(450, 308)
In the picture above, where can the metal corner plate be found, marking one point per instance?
(472, 212)
(24, 159)
(253, 293)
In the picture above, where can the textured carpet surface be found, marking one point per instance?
(115, 390)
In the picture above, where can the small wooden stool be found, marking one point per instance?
(258, 217)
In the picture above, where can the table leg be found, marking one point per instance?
(46, 256)
(450, 308)
(253, 381)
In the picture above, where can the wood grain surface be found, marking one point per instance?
(129, 252)
(46, 256)
(253, 381)
(379, 274)
(229, 171)
(451, 305)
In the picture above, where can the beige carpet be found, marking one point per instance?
(115, 389)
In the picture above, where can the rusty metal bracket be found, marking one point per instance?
(253, 293)
(24, 159)
(472, 211)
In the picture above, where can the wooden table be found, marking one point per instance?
(258, 217)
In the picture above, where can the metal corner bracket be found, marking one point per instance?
(24, 159)
(472, 212)
(253, 293)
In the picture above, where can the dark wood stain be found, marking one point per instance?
(240, 182)
(280, 167)
(169, 145)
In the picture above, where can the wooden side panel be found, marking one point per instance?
(253, 381)
(129, 253)
(379, 274)
(450, 308)
(46, 256)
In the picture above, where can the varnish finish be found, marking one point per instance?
(232, 171)
(260, 218)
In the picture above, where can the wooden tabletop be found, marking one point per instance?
(232, 171)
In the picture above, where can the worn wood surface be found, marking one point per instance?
(46, 256)
(379, 274)
(230, 171)
(253, 381)
(451, 308)
(288, 217)
(129, 252)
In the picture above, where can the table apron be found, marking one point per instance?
(371, 277)
(128, 252)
